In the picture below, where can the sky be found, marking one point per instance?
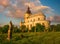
(14, 10)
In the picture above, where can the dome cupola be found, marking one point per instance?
(28, 11)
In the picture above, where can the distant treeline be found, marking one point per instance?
(37, 28)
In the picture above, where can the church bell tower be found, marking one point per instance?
(27, 14)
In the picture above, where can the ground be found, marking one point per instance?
(32, 38)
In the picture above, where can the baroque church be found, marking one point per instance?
(31, 19)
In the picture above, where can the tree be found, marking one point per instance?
(53, 28)
(58, 27)
(33, 29)
(16, 30)
(5, 28)
(0, 29)
(23, 28)
(39, 27)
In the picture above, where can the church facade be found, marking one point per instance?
(31, 20)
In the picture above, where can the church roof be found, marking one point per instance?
(38, 14)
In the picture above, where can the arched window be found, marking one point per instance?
(38, 18)
(43, 24)
(31, 25)
(27, 26)
(33, 20)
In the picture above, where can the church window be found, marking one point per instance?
(31, 25)
(34, 20)
(27, 26)
(38, 18)
(43, 24)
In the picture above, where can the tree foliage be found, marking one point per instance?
(0, 29)
(54, 28)
(33, 29)
(58, 27)
(23, 28)
(39, 27)
(16, 29)
(5, 28)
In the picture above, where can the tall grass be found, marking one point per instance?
(32, 38)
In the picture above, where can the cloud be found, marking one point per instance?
(55, 18)
(35, 8)
(4, 2)
(17, 8)
(1, 8)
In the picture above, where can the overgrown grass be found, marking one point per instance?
(32, 38)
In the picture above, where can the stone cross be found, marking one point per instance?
(10, 31)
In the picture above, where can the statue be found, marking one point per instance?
(10, 31)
